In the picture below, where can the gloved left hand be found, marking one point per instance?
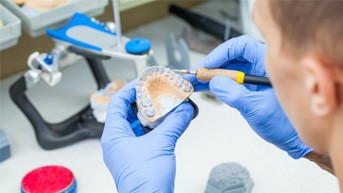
(141, 163)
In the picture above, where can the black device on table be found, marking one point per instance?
(205, 23)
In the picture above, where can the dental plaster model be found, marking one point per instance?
(229, 178)
(101, 98)
(19, 2)
(41, 5)
(158, 91)
(45, 5)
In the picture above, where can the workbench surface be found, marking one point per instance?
(218, 135)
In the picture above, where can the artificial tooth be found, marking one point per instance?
(145, 102)
(143, 77)
(178, 80)
(140, 82)
(161, 69)
(149, 71)
(140, 95)
(167, 73)
(171, 77)
(154, 68)
(139, 89)
(186, 87)
(150, 112)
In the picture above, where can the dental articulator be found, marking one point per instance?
(159, 90)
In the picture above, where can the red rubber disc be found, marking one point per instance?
(47, 179)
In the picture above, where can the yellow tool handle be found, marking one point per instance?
(206, 74)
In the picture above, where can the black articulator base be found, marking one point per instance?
(80, 126)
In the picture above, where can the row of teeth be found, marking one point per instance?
(146, 101)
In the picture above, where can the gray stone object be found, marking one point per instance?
(5, 151)
(229, 178)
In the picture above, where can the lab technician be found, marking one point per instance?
(304, 60)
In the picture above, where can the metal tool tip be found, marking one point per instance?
(180, 70)
(185, 71)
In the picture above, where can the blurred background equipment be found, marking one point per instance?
(219, 30)
(5, 150)
(76, 37)
(229, 178)
(10, 28)
(49, 179)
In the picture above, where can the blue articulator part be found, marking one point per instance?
(138, 46)
(90, 37)
(83, 32)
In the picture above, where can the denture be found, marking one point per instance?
(158, 91)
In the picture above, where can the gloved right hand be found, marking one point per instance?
(257, 104)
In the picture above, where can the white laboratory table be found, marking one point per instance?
(218, 135)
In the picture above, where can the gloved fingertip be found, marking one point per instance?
(227, 90)
(219, 82)
(180, 117)
(131, 84)
(202, 82)
(191, 78)
(304, 150)
(201, 87)
(176, 122)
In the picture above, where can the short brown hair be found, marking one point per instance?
(311, 25)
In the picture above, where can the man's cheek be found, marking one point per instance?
(268, 64)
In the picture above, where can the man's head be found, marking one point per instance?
(305, 63)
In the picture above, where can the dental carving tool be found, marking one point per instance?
(206, 74)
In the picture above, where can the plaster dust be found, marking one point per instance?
(168, 103)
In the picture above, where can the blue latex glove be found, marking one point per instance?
(141, 163)
(257, 104)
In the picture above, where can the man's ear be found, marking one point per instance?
(320, 85)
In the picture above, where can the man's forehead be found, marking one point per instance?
(256, 11)
(261, 13)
